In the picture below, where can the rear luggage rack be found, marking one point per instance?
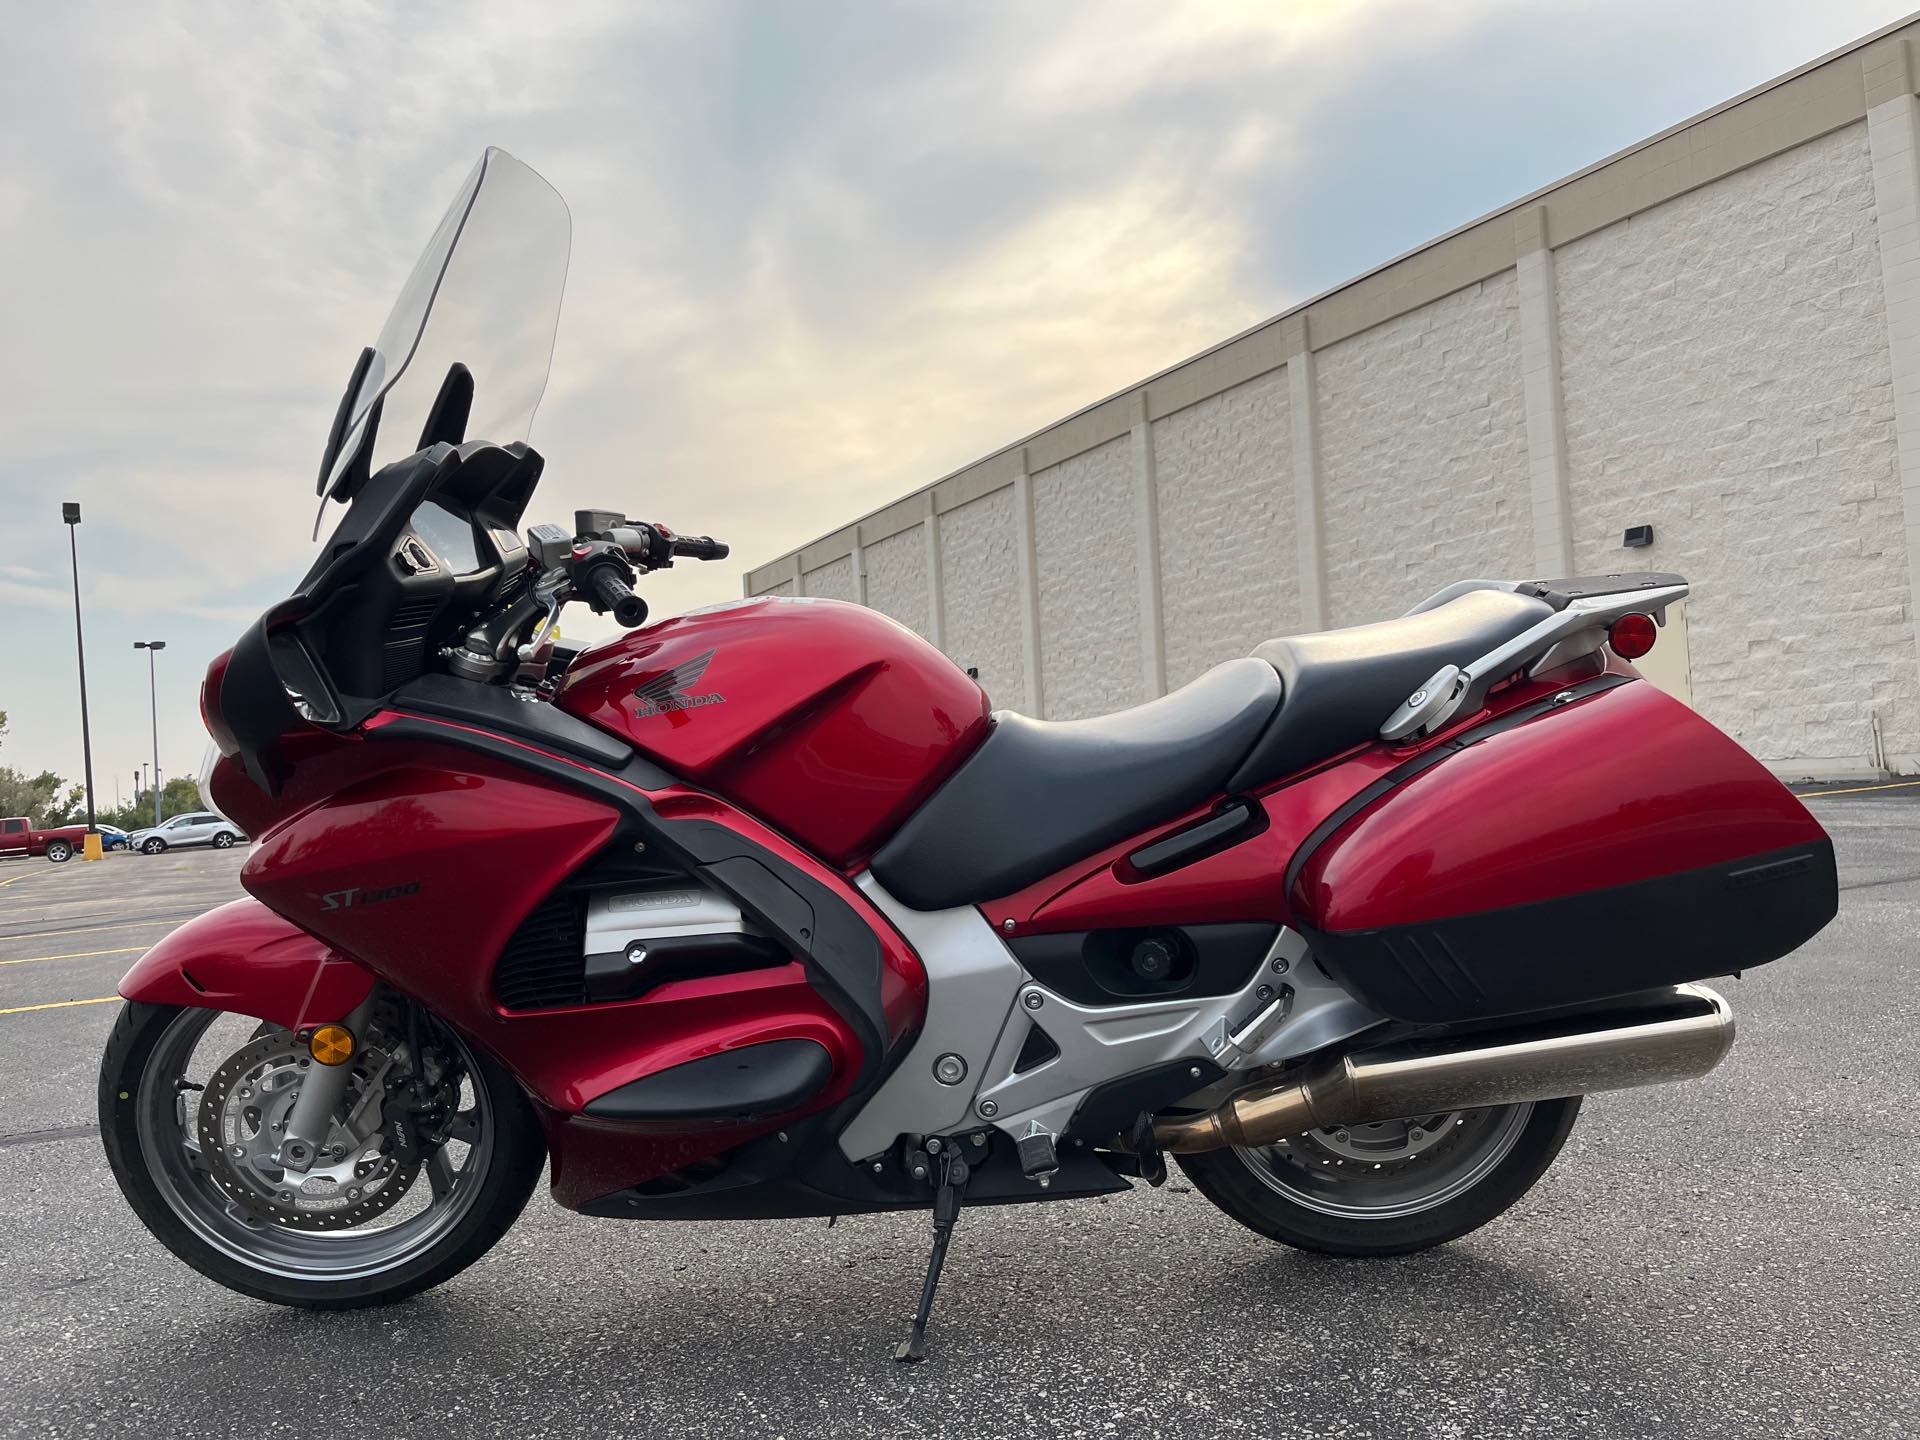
(1584, 607)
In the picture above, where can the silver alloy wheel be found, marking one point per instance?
(153, 847)
(166, 1122)
(1390, 1168)
(59, 851)
(222, 840)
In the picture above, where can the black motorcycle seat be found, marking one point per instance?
(1037, 794)
(1341, 685)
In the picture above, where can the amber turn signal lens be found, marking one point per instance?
(332, 1045)
(1632, 636)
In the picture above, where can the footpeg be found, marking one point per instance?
(1038, 1157)
(947, 1195)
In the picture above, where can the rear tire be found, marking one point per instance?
(1257, 1188)
(222, 841)
(59, 851)
(518, 1153)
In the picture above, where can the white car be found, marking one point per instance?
(201, 827)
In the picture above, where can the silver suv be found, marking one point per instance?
(201, 827)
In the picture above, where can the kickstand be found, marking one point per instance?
(954, 1173)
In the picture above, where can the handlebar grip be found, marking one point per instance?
(610, 591)
(701, 547)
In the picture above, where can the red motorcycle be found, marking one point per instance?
(763, 912)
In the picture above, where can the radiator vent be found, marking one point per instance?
(545, 962)
(405, 651)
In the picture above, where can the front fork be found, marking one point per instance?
(310, 1122)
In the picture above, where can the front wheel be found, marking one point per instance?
(1391, 1187)
(153, 847)
(194, 1105)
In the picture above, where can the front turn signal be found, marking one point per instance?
(331, 1045)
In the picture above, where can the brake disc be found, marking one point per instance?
(243, 1114)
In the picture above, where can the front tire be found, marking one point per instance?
(147, 1125)
(153, 847)
(1390, 1188)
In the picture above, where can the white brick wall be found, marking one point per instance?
(983, 612)
(1423, 454)
(897, 579)
(834, 580)
(1083, 536)
(1724, 358)
(1227, 558)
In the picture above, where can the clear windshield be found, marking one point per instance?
(485, 294)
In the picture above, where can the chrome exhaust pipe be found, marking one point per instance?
(1681, 1035)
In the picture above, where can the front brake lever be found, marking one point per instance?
(532, 657)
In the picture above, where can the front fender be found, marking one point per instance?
(244, 958)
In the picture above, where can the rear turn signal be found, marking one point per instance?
(1631, 636)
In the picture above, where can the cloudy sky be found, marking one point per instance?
(822, 253)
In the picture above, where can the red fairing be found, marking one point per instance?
(244, 958)
(829, 721)
(1622, 786)
(424, 871)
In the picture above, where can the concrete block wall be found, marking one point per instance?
(1727, 381)
(1227, 566)
(1716, 332)
(1423, 454)
(1089, 583)
(981, 575)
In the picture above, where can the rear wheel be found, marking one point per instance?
(59, 851)
(222, 841)
(192, 1107)
(1391, 1187)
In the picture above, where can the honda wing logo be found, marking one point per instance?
(667, 691)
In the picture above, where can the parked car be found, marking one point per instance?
(199, 827)
(59, 843)
(112, 837)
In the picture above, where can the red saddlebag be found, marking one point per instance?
(1611, 843)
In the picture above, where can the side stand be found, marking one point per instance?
(954, 1173)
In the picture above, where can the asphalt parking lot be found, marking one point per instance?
(1737, 1257)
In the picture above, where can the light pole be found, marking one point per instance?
(153, 699)
(70, 513)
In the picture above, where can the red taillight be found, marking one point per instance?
(1632, 636)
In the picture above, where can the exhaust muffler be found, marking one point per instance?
(1679, 1034)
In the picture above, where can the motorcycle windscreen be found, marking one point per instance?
(484, 295)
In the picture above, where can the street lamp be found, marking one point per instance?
(70, 513)
(153, 699)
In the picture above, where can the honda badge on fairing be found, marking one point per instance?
(1348, 925)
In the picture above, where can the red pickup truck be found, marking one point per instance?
(60, 844)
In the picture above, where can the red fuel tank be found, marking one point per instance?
(828, 721)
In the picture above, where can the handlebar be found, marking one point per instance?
(700, 547)
(609, 590)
